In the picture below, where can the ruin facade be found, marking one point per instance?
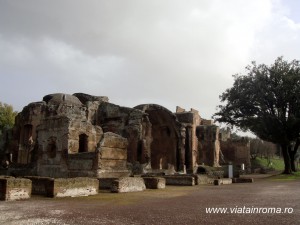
(82, 135)
(234, 150)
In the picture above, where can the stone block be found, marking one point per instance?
(40, 184)
(82, 173)
(185, 117)
(113, 153)
(217, 182)
(204, 179)
(155, 182)
(113, 173)
(242, 180)
(180, 180)
(226, 180)
(72, 187)
(106, 183)
(112, 140)
(14, 188)
(223, 181)
(82, 164)
(128, 184)
(112, 164)
(158, 174)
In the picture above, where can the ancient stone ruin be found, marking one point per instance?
(235, 150)
(81, 135)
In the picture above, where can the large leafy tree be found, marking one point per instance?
(7, 116)
(266, 101)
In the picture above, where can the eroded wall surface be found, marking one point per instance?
(208, 145)
(64, 136)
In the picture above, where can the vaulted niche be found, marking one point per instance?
(164, 147)
(83, 143)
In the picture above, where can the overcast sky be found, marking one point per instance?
(168, 52)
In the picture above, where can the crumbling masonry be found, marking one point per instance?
(82, 135)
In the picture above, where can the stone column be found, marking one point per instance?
(188, 148)
(181, 148)
(146, 140)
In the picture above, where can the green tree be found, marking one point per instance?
(266, 101)
(7, 116)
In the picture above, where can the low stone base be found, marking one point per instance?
(113, 174)
(72, 187)
(128, 184)
(242, 180)
(222, 181)
(14, 188)
(181, 180)
(155, 182)
(40, 184)
(106, 183)
(197, 177)
(152, 174)
(204, 179)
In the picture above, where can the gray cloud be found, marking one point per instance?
(166, 52)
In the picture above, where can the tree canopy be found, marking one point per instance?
(7, 116)
(266, 101)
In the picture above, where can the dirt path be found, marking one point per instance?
(174, 205)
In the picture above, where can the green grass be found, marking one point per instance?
(276, 163)
(287, 177)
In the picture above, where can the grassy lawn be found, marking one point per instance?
(287, 177)
(276, 163)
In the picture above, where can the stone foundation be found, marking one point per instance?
(222, 181)
(14, 188)
(128, 184)
(72, 187)
(204, 179)
(106, 183)
(112, 157)
(40, 185)
(242, 180)
(180, 180)
(155, 182)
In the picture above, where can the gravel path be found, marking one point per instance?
(174, 205)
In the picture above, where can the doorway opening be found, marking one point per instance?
(83, 143)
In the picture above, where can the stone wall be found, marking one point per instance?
(40, 185)
(128, 184)
(130, 123)
(236, 151)
(165, 143)
(25, 133)
(14, 188)
(82, 164)
(69, 135)
(209, 145)
(112, 156)
(189, 121)
(72, 187)
(180, 180)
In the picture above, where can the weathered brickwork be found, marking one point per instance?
(81, 135)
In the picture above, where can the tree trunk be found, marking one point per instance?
(292, 153)
(286, 158)
(292, 157)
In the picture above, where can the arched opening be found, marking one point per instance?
(165, 136)
(83, 143)
(201, 170)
